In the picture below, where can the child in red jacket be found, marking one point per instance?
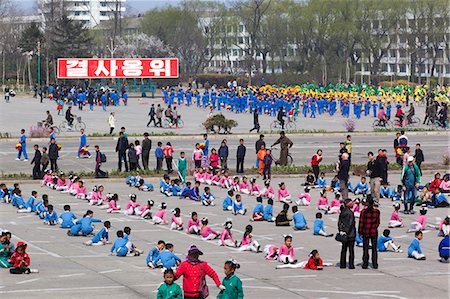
(20, 260)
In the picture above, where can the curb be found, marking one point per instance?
(242, 135)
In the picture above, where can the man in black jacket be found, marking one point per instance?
(121, 149)
(256, 125)
(223, 154)
(53, 154)
(37, 163)
(374, 172)
(146, 147)
(98, 163)
(419, 157)
(344, 167)
(152, 114)
(240, 156)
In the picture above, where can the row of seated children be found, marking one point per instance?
(361, 187)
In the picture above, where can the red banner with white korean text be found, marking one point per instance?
(79, 68)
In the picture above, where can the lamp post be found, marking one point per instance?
(39, 62)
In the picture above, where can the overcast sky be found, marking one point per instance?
(137, 5)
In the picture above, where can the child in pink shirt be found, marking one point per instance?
(97, 195)
(215, 180)
(47, 179)
(322, 203)
(160, 216)
(420, 223)
(268, 190)
(207, 176)
(207, 232)
(145, 210)
(304, 199)
(193, 226)
(335, 207)
(225, 180)
(177, 221)
(132, 206)
(61, 184)
(235, 184)
(198, 175)
(283, 193)
(244, 186)
(356, 209)
(226, 238)
(113, 207)
(286, 251)
(395, 220)
(247, 243)
(256, 191)
(271, 252)
(81, 190)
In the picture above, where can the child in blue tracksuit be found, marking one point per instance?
(319, 227)
(41, 206)
(119, 245)
(207, 197)
(385, 240)
(50, 217)
(29, 205)
(444, 249)
(23, 149)
(176, 189)
(414, 250)
(154, 253)
(299, 219)
(186, 190)
(258, 211)
(385, 192)
(164, 185)
(84, 225)
(362, 187)
(17, 200)
(227, 204)
(268, 211)
(195, 192)
(168, 258)
(397, 194)
(67, 217)
(102, 237)
(238, 206)
(321, 181)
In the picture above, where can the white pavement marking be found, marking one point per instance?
(396, 258)
(27, 281)
(86, 256)
(71, 275)
(387, 294)
(78, 289)
(146, 230)
(247, 279)
(37, 247)
(368, 274)
(298, 276)
(110, 271)
(261, 288)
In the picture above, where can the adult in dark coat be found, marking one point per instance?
(121, 149)
(37, 174)
(285, 144)
(256, 125)
(344, 167)
(240, 156)
(346, 227)
(53, 154)
(146, 147)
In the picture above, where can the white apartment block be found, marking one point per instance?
(90, 12)
(229, 55)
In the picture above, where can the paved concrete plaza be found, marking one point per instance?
(24, 111)
(434, 146)
(69, 269)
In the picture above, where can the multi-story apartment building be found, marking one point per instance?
(90, 12)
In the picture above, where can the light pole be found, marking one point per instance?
(39, 62)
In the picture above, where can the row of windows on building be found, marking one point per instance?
(385, 68)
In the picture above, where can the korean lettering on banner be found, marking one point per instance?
(118, 68)
(77, 68)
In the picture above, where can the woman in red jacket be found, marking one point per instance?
(194, 273)
(315, 161)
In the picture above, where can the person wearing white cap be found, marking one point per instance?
(410, 180)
